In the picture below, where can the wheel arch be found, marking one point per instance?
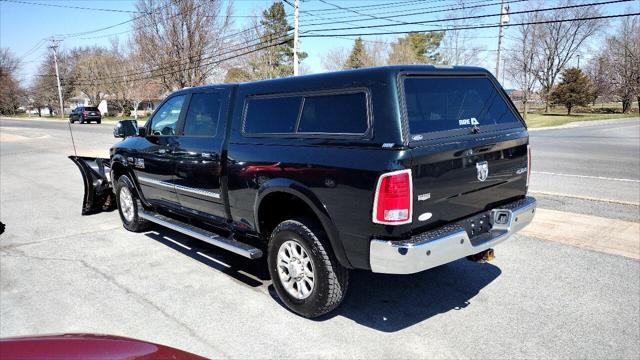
(286, 191)
(118, 168)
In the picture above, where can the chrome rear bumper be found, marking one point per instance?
(448, 243)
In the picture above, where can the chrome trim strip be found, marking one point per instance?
(152, 182)
(206, 193)
(445, 244)
(149, 181)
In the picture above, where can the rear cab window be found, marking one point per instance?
(91, 109)
(308, 115)
(440, 106)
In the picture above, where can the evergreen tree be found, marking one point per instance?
(417, 48)
(573, 90)
(276, 60)
(358, 57)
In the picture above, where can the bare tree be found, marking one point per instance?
(560, 41)
(179, 39)
(95, 71)
(11, 92)
(459, 47)
(597, 71)
(44, 91)
(522, 67)
(335, 58)
(622, 52)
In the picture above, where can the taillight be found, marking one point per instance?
(393, 201)
(528, 164)
(85, 113)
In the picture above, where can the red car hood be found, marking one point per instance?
(86, 347)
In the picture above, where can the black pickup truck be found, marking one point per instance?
(394, 170)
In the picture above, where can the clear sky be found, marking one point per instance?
(24, 26)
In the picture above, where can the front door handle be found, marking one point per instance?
(163, 151)
(209, 156)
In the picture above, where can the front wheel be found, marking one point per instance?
(306, 274)
(128, 205)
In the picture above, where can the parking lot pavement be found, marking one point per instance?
(62, 272)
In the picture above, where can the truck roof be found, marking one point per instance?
(343, 78)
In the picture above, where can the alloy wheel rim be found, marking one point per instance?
(126, 204)
(295, 270)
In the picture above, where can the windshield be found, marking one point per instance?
(447, 103)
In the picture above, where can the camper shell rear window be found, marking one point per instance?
(449, 105)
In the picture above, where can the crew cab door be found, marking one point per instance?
(154, 162)
(198, 153)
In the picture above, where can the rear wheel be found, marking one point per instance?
(98, 122)
(305, 273)
(128, 205)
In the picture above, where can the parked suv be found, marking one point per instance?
(393, 170)
(85, 114)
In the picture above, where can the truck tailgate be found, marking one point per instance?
(465, 180)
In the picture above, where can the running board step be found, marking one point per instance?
(214, 239)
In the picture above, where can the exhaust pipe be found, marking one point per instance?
(483, 256)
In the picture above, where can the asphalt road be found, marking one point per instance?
(598, 160)
(62, 272)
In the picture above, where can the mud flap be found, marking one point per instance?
(98, 191)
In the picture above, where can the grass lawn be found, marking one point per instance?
(556, 119)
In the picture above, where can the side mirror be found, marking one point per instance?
(125, 129)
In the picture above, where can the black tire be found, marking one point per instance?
(98, 122)
(330, 278)
(134, 223)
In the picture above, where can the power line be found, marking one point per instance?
(360, 13)
(70, 6)
(175, 63)
(97, 9)
(35, 48)
(377, 6)
(286, 37)
(475, 27)
(404, 13)
(70, 35)
(403, 10)
(477, 16)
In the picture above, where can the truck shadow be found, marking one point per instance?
(390, 303)
(248, 272)
(386, 303)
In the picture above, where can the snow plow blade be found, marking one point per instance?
(98, 192)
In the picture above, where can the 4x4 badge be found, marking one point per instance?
(483, 170)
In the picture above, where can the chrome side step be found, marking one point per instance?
(214, 239)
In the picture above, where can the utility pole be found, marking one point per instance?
(296, 14)
(504, 19)
(54, 48)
